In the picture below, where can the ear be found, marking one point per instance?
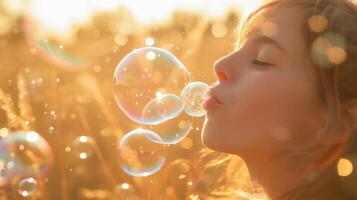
(351, 107)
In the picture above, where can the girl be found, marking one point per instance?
(285, 99)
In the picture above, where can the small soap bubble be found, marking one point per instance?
(194, 94)
(83, 146)
(139, 154)
(27, 187)
(141, 75)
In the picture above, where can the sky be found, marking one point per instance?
(60, 16)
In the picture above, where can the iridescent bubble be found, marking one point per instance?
(25, 151)
(163, 107)
(11, 167)
(142, 76)
(51, 50)
(83, 146)
(174, 130)
(194, 94)
(139, 154)
(27, 187)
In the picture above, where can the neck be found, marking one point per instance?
(279, 175)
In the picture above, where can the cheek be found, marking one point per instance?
(267, 102)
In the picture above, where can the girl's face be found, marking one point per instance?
(267, 89)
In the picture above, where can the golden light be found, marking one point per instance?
(317, 23)
(336, 55)
(219, 30)
(4, 132)
(32, 136)
(62, 18)
(344, 167)
(125, 186)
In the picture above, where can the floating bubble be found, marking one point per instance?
(24, 151)
(145, 74)
(194, 94)
(27, 187)
(174, 130)
(50, 50)
(83, 147)
(162, 108)
(11, 167)
(139, 154)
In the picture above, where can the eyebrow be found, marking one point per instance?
(267, 40)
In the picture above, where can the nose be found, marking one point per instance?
(222, 68)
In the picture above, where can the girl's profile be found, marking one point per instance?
(285, 99)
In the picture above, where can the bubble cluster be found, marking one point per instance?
(27, 187)
(139, 154)
(141, 80)
(152, 87)
(194, 94)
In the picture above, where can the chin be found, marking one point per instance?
(210, 137)
(217, 138)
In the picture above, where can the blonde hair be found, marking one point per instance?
(335, 23)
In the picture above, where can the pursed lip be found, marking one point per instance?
(211, 102)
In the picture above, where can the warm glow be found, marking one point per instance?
(62, 17)
(344, 167)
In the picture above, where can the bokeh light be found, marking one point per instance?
(344, 167)
(83, 146)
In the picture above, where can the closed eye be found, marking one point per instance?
(261, 63)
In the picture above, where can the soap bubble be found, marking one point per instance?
(139, 154)
(27, 187)
(25, 151)
(83, 146)
(145, 74)
(11, 167)
(163, 107)
(194, 94)
(172, 131)
(51, 50)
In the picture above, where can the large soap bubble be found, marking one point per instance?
(139, 154)
(143, 79)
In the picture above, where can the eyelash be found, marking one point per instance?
(260, 63)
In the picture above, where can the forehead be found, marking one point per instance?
(284, 25)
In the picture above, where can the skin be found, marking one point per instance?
(270, 112)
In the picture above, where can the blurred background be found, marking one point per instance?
(57, 59)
